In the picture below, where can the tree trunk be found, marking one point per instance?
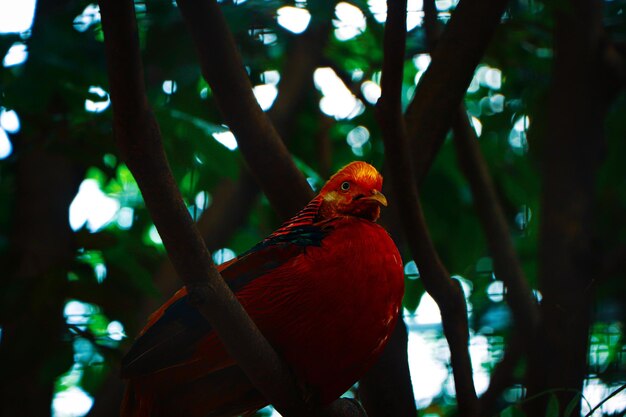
(32, 353)
(571, 154)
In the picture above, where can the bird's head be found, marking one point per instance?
(355, 190)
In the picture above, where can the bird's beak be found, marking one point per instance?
(377, 197)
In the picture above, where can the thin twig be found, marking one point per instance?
(502, 375)
(611, 395)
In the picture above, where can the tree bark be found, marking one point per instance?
(33, 352)
(386, 390)
(446, 292)
(571, 154)
(462, 44)
(139, 140)
(491, 216)
(262, 147)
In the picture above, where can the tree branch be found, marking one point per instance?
(222, 67)
(446, 292)
(614, 63)
(491, 216)
(506, 263)
(441, 89)
(231, 205)
(502, 375)
(386, 389)
(139, 140)
(572, 152)
(304, 55)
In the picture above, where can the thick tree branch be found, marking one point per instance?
(572, 152)
(264, 151)
(614, 62)
(33, 282)
(231, 206)
(139, 140)
(446, 292)
(506, 263)
(233, 202)
(502, 376)
(304, 55)
(386, 390)
(441, 89)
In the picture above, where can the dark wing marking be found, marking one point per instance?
(300, 229)
(171, 339)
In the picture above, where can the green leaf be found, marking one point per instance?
(552, 410)
(207, 127)
(575, 401)
(512, 411)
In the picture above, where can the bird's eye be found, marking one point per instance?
(345, 186)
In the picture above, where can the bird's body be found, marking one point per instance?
(325, 289)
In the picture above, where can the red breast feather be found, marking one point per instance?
(330, 312)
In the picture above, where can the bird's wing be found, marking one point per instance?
(173, 331)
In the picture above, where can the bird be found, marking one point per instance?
(325, 289)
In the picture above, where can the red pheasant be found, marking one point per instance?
(325, 289)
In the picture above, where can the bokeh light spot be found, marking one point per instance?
(125, 218)
(265, 95)
(72, 402)
(223, 255)
(89, 17)
(337, 100)
(154, 235)
(16, 16)
(100, 105)
(294, 19)
(493, 78)
(350, 21)
(92, 206)
(6, 148)
(496, 102)
(477, 125)
(271, 77)
(227, 139)
(9, 120)
(427, 311)
(371, 91)
(495, 291)
(116, 330)
(78, 313)
(358, 136)
(411, 271)
(16, 55)
(169, 87)
(421, 61)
